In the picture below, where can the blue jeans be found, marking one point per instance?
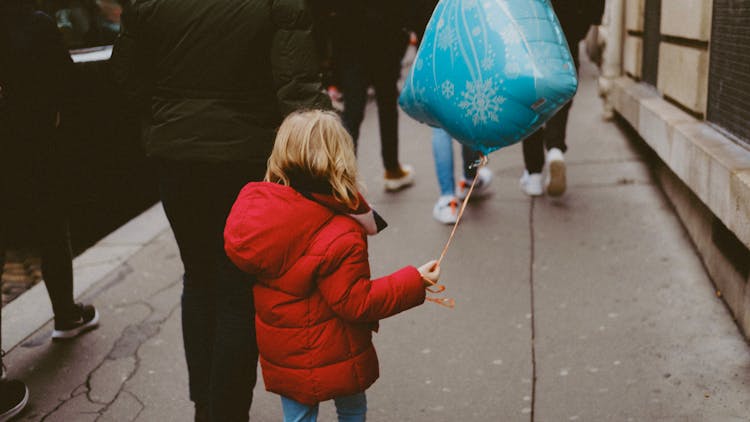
(218, 313)
(442, 150)
(348, 408)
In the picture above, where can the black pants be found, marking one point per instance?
(34, 213)
(382, 69)
(57, 262)
(551, 135)
(217, 303)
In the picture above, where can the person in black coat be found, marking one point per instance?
(212, 80)
(576, 17)
(36, 73)
(369, 41)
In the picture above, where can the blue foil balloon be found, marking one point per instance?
(490, 72)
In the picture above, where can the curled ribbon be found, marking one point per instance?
(438, 288)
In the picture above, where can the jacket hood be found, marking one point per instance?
(271, 226)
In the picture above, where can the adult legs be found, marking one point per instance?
(354, 85)
(235, 356)
(187, 207)
(57, 264)
(552, 134)
(533, 151)
(554, 130)
(552, 138)
(384, 79)
(470, 157)
(445, 209)
(533, 157)
(217, 309)
(442, 151)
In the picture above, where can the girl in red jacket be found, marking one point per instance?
(302, 234)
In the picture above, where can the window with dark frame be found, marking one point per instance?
(729, 69)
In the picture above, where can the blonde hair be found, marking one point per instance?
(314, 145)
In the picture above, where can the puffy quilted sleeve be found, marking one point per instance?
(294, 60)
(345, 284)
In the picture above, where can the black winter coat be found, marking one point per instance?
(215, 78)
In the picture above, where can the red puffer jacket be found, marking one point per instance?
(316, 306)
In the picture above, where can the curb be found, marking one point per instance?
(31, 310)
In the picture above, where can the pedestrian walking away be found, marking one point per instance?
(36, 76)
(316, 304)
(213, 79)
(369, 43)
(576, 17)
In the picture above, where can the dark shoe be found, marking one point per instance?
(13, 398)
(85, 318)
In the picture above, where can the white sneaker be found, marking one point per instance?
(532, 184)
(397, 180)
(446, 209)
(556, 172)
(480, 189)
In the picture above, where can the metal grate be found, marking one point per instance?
(651, 40)
(729, 77)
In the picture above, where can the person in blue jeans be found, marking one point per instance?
(446, 207)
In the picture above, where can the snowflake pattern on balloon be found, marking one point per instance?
(447, 38)
(488, 62)
(481, 101)
(448, 89)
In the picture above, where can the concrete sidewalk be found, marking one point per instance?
(592, 307)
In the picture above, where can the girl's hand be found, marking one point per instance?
(430, 271)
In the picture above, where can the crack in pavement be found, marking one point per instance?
(126, 346)
(137, 399)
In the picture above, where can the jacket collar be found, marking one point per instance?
(363, 214)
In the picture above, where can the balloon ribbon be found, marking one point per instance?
(439, 288)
